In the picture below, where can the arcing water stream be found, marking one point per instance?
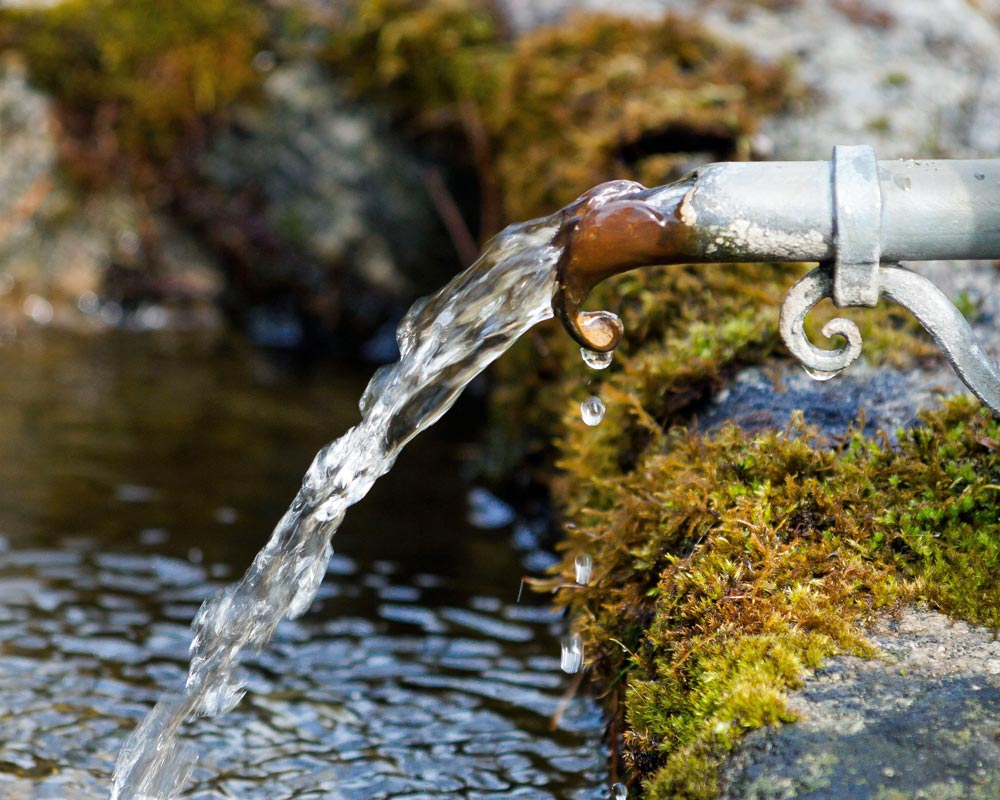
(444, 342)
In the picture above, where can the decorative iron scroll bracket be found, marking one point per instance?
(931, 307)
(857, 278)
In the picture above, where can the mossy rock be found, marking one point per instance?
(132, 81)
(561, 108)
(727, 565)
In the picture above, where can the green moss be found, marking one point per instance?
(134, 80)
(880, 124)
(726, 566)
(424, 58)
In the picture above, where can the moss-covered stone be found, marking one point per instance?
(728, 565)
(562, 108)
(133, 80)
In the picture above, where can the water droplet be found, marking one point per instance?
(596, 360)
(592, 410)
(619, 791)
(571, 660)
(821, 375)
(584, 568)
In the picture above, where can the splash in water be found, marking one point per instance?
(444, 342)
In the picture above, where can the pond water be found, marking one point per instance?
(140, 473)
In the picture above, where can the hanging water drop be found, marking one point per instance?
(820, 375)
(584, 567)
(618, 791)
(571, 660)
(592, 410)
(596, 360)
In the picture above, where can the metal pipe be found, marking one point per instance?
(785, 211)
(852, 214)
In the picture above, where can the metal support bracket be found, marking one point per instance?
(858, 278)
(857, 209)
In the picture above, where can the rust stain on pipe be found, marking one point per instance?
(609, 230)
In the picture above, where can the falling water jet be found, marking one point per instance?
(445, 341)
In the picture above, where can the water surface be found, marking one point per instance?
(139, 473)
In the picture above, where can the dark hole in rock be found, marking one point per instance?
(720, 144)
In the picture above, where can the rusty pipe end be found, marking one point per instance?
(598, 331)
(609, 230)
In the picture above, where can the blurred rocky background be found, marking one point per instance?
(174, 168)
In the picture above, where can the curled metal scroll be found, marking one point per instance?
(801, 299)
(931, 307)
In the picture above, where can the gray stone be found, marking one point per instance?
(919, 721)
(913, 78)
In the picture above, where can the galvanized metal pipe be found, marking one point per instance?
(784, 211)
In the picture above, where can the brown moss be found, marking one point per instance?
(619, 98)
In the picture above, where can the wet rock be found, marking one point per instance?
(919, 721)
(760, 399)
(313, 197)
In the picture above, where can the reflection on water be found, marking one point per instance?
(139, 474)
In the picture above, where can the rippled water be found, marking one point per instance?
(138, 475)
